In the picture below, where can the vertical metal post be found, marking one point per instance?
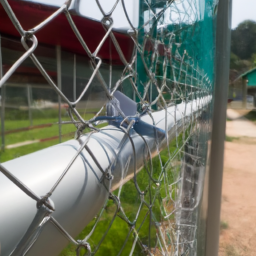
(110, 65)
(58, 54)
(29, 104)
(141, 77)
(74, 78)
(223, 38)
(142, 74)
(2, 99)
(244, 89)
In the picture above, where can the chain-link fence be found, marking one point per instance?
(135, 186)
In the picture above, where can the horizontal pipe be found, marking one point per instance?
(83, 191)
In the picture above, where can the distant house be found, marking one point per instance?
(243, 86)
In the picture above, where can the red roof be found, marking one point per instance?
(59, 32)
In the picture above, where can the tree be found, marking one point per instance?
(243, 40)
(253, 59)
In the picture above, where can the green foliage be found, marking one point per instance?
(68, 131)
(243, 39)
(251, 115)
(120, 229)
(243, 47)
(41, 115)
(231, 139)
(22, 114)
(231, 251)
(10, 154)
(130, 202)
(223, 225)
(238, 64)
(36, 134)
(234, 61)
(253, 59)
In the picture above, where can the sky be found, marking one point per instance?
(243, 10)
(132, 7)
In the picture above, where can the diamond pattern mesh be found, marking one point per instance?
(170, 70)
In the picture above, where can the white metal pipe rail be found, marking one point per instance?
(83, 183)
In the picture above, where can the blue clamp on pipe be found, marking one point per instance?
(140, 127)
(128, 107)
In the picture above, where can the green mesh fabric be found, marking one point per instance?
(172, 66)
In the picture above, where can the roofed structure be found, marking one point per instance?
(245, 85)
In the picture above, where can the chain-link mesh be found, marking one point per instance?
(155, 211)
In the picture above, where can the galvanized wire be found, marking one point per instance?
(176, 187)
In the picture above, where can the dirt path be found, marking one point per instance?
(238, 213)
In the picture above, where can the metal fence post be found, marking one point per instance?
(29, 104)
(223, 39)
(2, 100)
(244, 89)
(74, 78)
(58, 53)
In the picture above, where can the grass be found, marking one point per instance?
(230, 250)
(231, 139)
(130, 202)
(129, 197)
(35, 134)
(43, 133)
(251, 116)
(119, 230)
(10, 154)
(223, 225)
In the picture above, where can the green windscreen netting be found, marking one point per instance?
(155, 198)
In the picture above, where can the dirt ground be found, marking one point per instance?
(238, 213)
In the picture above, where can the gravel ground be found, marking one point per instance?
(238, 212)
